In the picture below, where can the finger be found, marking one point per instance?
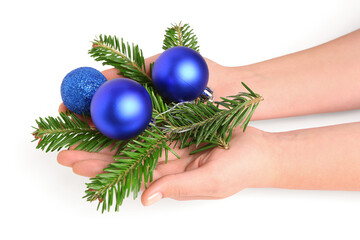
(70, 157)
(199, 160)
(175, 166)
(63, 108)
(111, 73)
(183, 152)
(108, 150)
(186, 185)
(171, 167)
(150, 60)
(180, 152)
(89, 168)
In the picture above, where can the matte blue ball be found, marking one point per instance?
(121, 109)
(78, 88)
(180, 74)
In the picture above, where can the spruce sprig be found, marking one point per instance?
(180, 35)
(129, 59)
(199, 122)
(67, 130)
(134, 165)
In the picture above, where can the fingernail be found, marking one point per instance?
(154, 198)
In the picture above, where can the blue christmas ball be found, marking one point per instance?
(78, 88)
(180, 74)
(121, 109)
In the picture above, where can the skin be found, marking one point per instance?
(325, 78)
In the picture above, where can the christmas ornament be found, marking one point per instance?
(78, 88)
(180, 74)
(121, 109)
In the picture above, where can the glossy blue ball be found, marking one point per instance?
(121, 109)
(180, 74)
(78, 88)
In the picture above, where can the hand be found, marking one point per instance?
(212, 174)
(216, 173)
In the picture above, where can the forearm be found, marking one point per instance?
(325, 78)
(326, 158)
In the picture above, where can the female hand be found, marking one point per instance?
(212, 174)
(216, 173)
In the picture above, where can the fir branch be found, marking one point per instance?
(128, 59)
(204, 122)
(67, 130)
(134, 165)
(180, 35)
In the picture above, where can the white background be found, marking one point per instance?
(42, 41)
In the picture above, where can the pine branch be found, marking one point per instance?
(134, 165)
(67, 130)
(128, 59)
(180, 35)
(204, 122)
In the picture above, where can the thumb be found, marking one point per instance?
(181, 186)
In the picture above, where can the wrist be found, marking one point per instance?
(256, 155)
(269, 173)
(284, 152)
(273, 151)
(226, 81)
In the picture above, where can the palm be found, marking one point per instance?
(89, 164)
(216, 173)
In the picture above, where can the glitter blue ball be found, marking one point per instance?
(121, 109)
(180, 74)
(78, 88)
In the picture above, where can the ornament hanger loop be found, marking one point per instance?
(207, 95)
(169, 111)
